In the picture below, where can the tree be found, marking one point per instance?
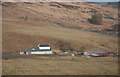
(25, 18)
(81, 49)
(116, 27)
(60, 45)
(67, 47)
(64, 47)
(96, 19)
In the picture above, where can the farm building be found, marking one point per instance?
(96, 53)
(26, 51)
(45, 51)
(41, 49)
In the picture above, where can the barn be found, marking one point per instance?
(96, 53)
(41, 49)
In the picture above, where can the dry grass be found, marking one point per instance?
(45, 13)
(60, 66)
(40, 26)
(21, 35)
(18, 35)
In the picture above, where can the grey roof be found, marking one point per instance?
(43, 45)
(95, 51)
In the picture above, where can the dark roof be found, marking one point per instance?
(44, 46)
(25, 50)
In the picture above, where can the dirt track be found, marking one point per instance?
(13, 55)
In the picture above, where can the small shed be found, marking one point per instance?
(72, 54)
(24, 52)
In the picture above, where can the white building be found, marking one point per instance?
(41, 47)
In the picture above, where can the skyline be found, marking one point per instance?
(103, 0)
(60, 0)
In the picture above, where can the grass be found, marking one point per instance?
(15, 33)
(60, 66)
(19, 35)
(16, 37)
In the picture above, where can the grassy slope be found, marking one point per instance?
(17, 36)
(40, 26)
(21, 35)
(44, 12)
(60, 65)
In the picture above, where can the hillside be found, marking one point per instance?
(27, 24)
(68, 14)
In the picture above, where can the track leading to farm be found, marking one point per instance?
(13, 55)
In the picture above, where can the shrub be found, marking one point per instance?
(96, 19)
(81, 49)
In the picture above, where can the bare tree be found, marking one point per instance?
(64, 47)
(81, 49)
(116, 27)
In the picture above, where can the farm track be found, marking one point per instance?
(12, 20)
(12, 55)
